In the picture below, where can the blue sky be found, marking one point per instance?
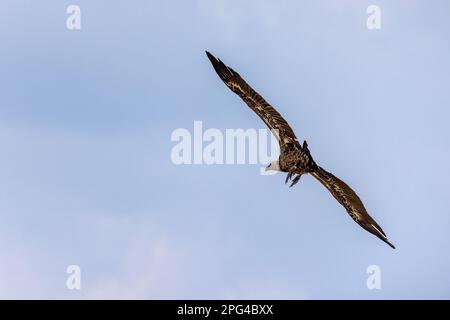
(86, 176)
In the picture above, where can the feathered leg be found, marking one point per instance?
(296, 179)
(289, 175)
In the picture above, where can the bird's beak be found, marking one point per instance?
(267, 168)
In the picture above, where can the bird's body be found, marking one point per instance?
(295, 159)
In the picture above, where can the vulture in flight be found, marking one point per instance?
(295, 158)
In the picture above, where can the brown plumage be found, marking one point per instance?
(350, 201)
(296, 159)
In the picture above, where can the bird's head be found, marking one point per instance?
(274, 165)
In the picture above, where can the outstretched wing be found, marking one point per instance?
(279, 127)
(351, 202)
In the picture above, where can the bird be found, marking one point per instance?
(295, 158)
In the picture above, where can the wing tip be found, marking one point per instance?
(389, 244)
(224, 72)
(384, 238)
(209, 54)
(211, 58)
(376, 230)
